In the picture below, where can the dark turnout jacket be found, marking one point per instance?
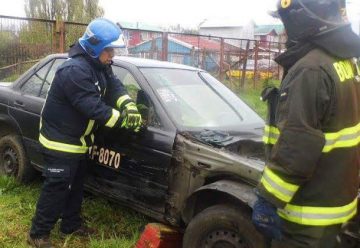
(82, 96)
(313, 135)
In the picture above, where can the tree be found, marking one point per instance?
(179, 29)
(39, 35)
(64, 10)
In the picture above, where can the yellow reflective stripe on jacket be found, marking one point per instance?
(122, 99)
(63, 147)
(276, 186)
(87, 132)
(318, 216)
(347, 137)
(271, 135)
(113, 119)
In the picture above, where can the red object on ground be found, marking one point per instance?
(158, 235)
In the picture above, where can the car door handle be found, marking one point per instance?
(19, 104)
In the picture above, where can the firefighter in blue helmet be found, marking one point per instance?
(85, 94)
(309, 186)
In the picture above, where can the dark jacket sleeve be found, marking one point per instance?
(84, 95)
(303, 103)
(116, 93)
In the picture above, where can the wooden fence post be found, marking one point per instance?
(243, 76)
(59, 36)
(221, 66)
(165, 44)
(256, 57)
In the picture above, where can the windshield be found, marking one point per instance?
(197, 100)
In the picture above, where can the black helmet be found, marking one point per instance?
(306, 18)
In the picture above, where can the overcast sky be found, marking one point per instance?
(187, 13)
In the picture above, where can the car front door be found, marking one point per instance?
(133, 167)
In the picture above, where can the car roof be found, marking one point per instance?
(140, 62)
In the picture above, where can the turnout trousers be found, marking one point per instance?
(61, 196)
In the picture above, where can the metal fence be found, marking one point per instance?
(238, 62)
(23, 41)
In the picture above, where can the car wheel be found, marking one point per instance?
(13, 159)
(222, 226)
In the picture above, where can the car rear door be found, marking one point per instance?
(26, 104)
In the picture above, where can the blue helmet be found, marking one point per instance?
(100, 34)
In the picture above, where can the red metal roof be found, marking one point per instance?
(199, 42)
(205, 43)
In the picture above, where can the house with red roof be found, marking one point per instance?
(270, 35)
(197, 51)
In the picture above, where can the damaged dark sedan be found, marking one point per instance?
(193, 165)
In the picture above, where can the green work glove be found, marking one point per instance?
(131, 118)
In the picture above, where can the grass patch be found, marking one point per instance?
(116, 226)
(251, 93)
(11, 78)
(252, 98)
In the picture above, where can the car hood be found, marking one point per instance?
(225, 138)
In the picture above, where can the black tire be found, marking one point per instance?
(222, 226)
(13, 159)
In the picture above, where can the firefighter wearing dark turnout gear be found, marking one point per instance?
(84, 94)
(313, 134)
(81, 97)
